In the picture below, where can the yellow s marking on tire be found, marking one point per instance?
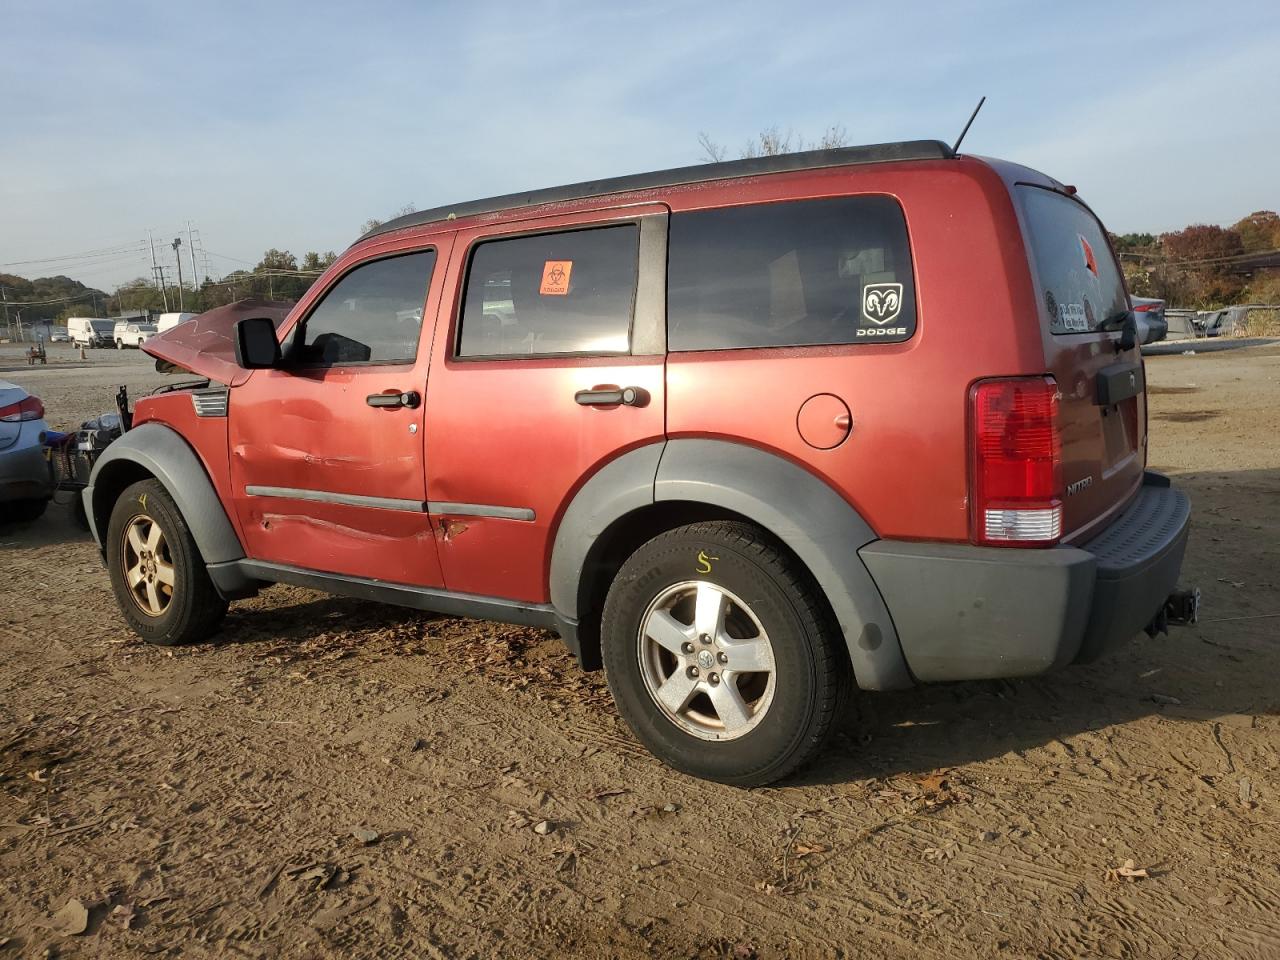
(704, 562)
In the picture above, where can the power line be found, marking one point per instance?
(223, 256)
(87, 295)
(1172, 262)
(86, 255)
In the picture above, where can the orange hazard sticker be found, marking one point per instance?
(1090, 260)
(555, 278)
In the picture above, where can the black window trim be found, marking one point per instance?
(843, 195)
(299, 328)
(647, 329)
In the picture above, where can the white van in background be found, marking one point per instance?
(132, 333)
(167, 321)
(90, 331)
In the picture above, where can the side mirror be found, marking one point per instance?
(256, 345)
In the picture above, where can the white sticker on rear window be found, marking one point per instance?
(1071, 316)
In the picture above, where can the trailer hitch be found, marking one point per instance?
(1182, 607)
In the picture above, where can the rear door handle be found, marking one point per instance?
(612, 396)
(409, 398)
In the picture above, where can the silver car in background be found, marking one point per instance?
(25, 482)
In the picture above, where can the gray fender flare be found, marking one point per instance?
(616, 489)
(163, 453)
(815, 522)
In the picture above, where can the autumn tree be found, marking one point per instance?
(317, 263)
(1204, 255)
(1128, 242)
(1259, 231)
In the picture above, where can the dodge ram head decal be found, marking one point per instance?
(881, 302)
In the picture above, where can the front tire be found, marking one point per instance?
(157, 573)
(722, 655)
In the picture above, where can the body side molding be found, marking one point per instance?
(345, 499)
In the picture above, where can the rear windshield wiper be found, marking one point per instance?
(1126, 321)
(1116, 321)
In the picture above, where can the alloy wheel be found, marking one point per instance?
(148, 566)
(706, 660)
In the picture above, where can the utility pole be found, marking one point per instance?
(157, 273)
(177, 255)
(165, 287)
(191, 252)
(5, 300)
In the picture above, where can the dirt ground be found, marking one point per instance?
(202, 801)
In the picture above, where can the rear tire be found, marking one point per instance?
(157, 573)
(722, 654)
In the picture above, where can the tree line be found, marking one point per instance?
(279, 275)
(1206, 266)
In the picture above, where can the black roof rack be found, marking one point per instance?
(701, 173)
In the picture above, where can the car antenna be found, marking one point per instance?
(960, 138)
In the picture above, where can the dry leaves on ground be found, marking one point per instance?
(1128, 871)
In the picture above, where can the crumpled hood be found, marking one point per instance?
(206, 345)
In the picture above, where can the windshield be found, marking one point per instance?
(1080, 286)
(103, 326)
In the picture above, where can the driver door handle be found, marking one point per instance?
(611, 396)
(409, 398)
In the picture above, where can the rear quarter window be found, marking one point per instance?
(797, 273)
(1081, 290)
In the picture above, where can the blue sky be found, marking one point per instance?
(289, 124)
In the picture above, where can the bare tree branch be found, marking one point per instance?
(712, 151)
(835, 136)
(771, 141)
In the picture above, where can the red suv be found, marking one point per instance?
(746, 434)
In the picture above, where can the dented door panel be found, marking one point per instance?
(325, 481)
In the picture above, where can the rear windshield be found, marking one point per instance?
(1080, 286)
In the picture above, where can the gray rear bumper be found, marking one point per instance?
(968, 613)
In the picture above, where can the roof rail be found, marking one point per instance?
(700, 173)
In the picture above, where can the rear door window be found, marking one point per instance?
(1081, 290)
(798, 273)
(571, 292)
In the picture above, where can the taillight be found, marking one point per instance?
(1015, 485)
(28, 409)
(1145, 307)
